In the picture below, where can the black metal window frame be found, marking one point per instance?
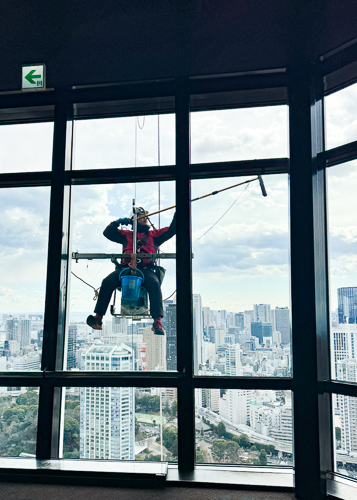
(302, 86)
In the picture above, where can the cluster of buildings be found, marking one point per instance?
(343, 337)
(259, 337)
(21, 342)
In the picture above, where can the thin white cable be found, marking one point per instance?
(235, 201)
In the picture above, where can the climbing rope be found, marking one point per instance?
(96, 292)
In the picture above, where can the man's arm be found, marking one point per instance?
(166, 233)
(113, 234)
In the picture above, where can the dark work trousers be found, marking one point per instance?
(151, 283)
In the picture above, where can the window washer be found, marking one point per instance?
(148, 241)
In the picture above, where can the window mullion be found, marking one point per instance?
(56, 285)
(186, 430)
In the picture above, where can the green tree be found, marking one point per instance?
(28, 398)
(219, 448)
(338, 433)
(174, 408)
(148, 404)
(232, 452)
(169, 437)
(201, 456)
(244, 441)
(221, 430)
(71, 437)
(263, 457)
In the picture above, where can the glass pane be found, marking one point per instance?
(94, 208)
(142, 141)
(241, 278)
(239, 134)
(342, 185)
(345, 433)
(26, 147)
(120, 423)
(340, 113)
(244, 427)
(18, 430)
(23, 248)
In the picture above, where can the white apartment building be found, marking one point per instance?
(107, 414)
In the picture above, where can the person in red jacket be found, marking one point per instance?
(148, 241)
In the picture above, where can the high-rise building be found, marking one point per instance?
(343, 340)
(171, 339)
(72, 347)
(260, 330)
(347, 372)
(347, 304)
(119, 325)
(206, 317)
(233, 360)
(155, 350)
(197, 330)
(262, 313)
(248, 317)
(12, 329)
(239, 320)
(24, 334)
(107, 414)
(282, 323)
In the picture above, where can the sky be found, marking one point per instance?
(244, 257)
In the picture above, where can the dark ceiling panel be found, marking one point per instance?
(93, 42)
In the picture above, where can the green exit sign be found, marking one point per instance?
(33, 76)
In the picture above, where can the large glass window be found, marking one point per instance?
(239, 134)
(141, 141)
(241, 278)
(26, 147)
(94, 208)
(244, 427)
(120, 423)
(23, 249)
(341, 121)
(342, 185)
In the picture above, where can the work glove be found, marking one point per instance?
(125, 221)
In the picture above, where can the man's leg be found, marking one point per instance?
(109, 284)
(152, 285)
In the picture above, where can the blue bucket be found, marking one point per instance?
(130, 285)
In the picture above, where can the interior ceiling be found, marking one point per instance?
(93, 42)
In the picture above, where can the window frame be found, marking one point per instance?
(304, 86)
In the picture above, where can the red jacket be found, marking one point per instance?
(154, 239)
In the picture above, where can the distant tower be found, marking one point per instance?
(239, 320)
(347, 304)
(171, 339)
(119, 325)
(72, 347)
(262, 313)
(260, 330)
(282, 323)
(24, 326)
(155, 346)
(12, 329)
(197, 330)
